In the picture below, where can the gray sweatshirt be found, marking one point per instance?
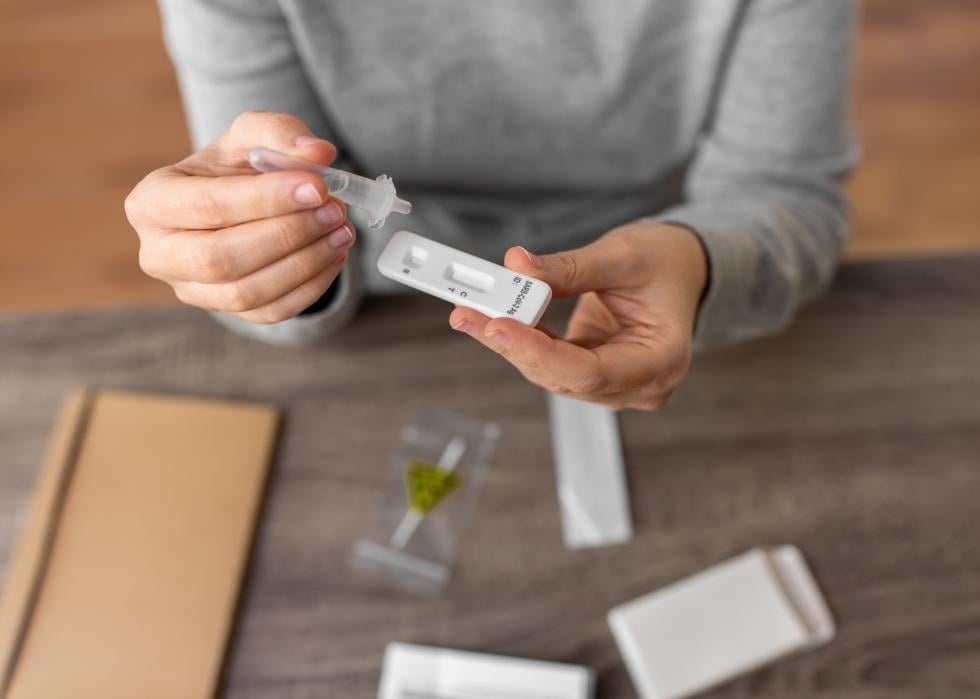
(547, 123)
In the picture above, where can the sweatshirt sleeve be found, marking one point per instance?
(232, 56)
(764, 191)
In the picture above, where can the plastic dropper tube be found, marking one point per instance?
(376, 197)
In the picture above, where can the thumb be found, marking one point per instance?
(281, 132)
(594, 267)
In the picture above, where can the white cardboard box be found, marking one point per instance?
(727, 620)
(425, 672)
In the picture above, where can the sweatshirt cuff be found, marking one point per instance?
(326, 300)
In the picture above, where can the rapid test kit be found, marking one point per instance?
(463, 279)
(431, 267)
(676, 642)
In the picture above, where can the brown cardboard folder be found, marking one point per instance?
(126, 577)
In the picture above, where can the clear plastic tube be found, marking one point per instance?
(376, 197)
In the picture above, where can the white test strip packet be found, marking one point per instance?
(725, 621)
(424, 672)
(591, 478)
(463, 279)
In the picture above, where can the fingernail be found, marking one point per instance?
(463, 326)
(307, 194)
(340, 237)
(329, 214)
(499, 338)
(535, 261)
(303, 141)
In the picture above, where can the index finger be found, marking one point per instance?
(173, 200)
(559, 365)
(552, 363)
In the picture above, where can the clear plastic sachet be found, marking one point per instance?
(435, 478)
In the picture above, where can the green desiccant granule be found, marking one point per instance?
(426, 484)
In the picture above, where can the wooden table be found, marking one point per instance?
(856, 436)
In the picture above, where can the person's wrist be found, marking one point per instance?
(675, 253)
(672, 267)
(691, 257)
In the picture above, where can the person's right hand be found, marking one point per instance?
(262, 247)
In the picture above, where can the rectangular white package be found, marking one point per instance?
(591, 478)
(463, 279)
(727, 620)
(424, 672)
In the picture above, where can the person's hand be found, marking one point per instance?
(629, 339)
(262, 247)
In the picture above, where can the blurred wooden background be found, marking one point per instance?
(88, 105)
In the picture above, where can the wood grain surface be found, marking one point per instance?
(856, 436)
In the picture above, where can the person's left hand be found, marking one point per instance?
(629, 340)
